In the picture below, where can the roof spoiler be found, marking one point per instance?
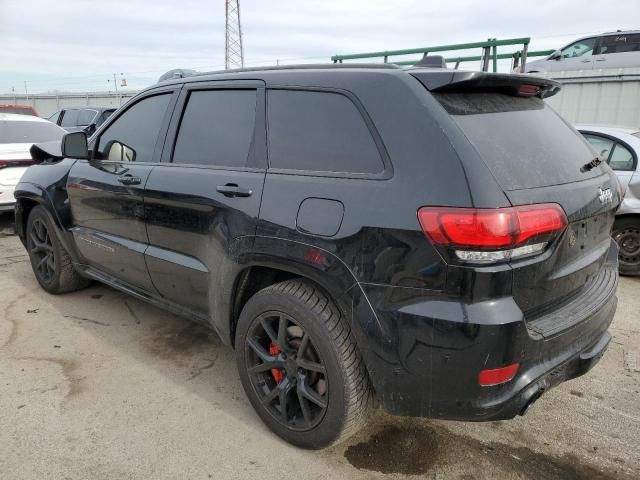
(461, 81)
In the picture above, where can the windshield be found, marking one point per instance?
(522, 140)
(29, 132)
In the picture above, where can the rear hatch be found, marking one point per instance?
(537, 158)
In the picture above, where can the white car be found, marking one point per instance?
(619, 49)
(620, 148)
(17, 134)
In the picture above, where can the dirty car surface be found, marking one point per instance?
(401, 246)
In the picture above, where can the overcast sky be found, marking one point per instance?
(79, 44)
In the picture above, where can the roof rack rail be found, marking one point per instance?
(177, 73)
(489, 53)
(181, 73)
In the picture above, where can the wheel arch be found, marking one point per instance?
(28, 196)
(624, 216)
(319, 267)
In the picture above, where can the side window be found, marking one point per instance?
(621, 158)
(620, 44)
(85, 117)
(133, 135)
(70, 118)
(54, 118)
(601, 145)
(216, 128)
(319, 131)
(582, 48)
(103, 117)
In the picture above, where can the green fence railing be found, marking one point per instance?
(488, 56)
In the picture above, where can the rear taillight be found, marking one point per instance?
(496, 376)
(16, 163)
(479, 235)
(528, 90)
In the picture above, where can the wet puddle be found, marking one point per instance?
(416, 450)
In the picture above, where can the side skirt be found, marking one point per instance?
(95, 274)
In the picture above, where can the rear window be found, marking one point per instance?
(85, 117)
(29, 132)
(319, 132)
(620, 44)
(522, 140)
(70, 118)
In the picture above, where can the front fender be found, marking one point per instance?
(46, 185)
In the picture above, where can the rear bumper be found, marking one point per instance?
(424, 354)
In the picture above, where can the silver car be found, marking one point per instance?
(620, 147)
(608, 50)
(17, 134)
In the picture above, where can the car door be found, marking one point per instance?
(106, 192)
(86, 120)
(620, 157)
(576, 56)
(203, 200)
(69, 119)
(619, 51)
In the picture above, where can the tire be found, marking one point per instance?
(626, 233)
(50, 262)
(329, 355)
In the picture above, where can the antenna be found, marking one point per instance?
(233, 52)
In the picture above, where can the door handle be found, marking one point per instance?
(601, 59)
(585, 61)
(129, 180)
(233, 190)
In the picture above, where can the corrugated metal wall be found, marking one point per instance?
(601, 97)
(49, 104)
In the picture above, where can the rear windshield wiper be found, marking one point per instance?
(591, 165)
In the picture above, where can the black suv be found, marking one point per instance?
(435, 241)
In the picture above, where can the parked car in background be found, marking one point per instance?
(619, 49)
(17, 134)
(85, 119)
(18, 109)
(436, 239)
(620, 148)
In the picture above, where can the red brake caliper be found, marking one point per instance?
(277, 374)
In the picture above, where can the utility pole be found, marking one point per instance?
(25, 91)
(115, 88)
(233, 51)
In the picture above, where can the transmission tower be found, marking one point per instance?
(233, 52)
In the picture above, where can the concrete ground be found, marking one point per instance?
(98, 385)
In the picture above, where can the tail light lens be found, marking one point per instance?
(16, 163)
(496, 376)
(493, 235)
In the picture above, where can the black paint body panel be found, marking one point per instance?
(425, 323)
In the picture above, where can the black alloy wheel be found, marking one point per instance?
(286, 371)
(51, 263)
(42, 251)
(300, 365)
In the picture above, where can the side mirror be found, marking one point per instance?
(119, 152)
(557, 55)
(74, 145)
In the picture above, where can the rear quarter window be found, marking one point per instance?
(319, 132)
(70, 118)
(522, 140)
